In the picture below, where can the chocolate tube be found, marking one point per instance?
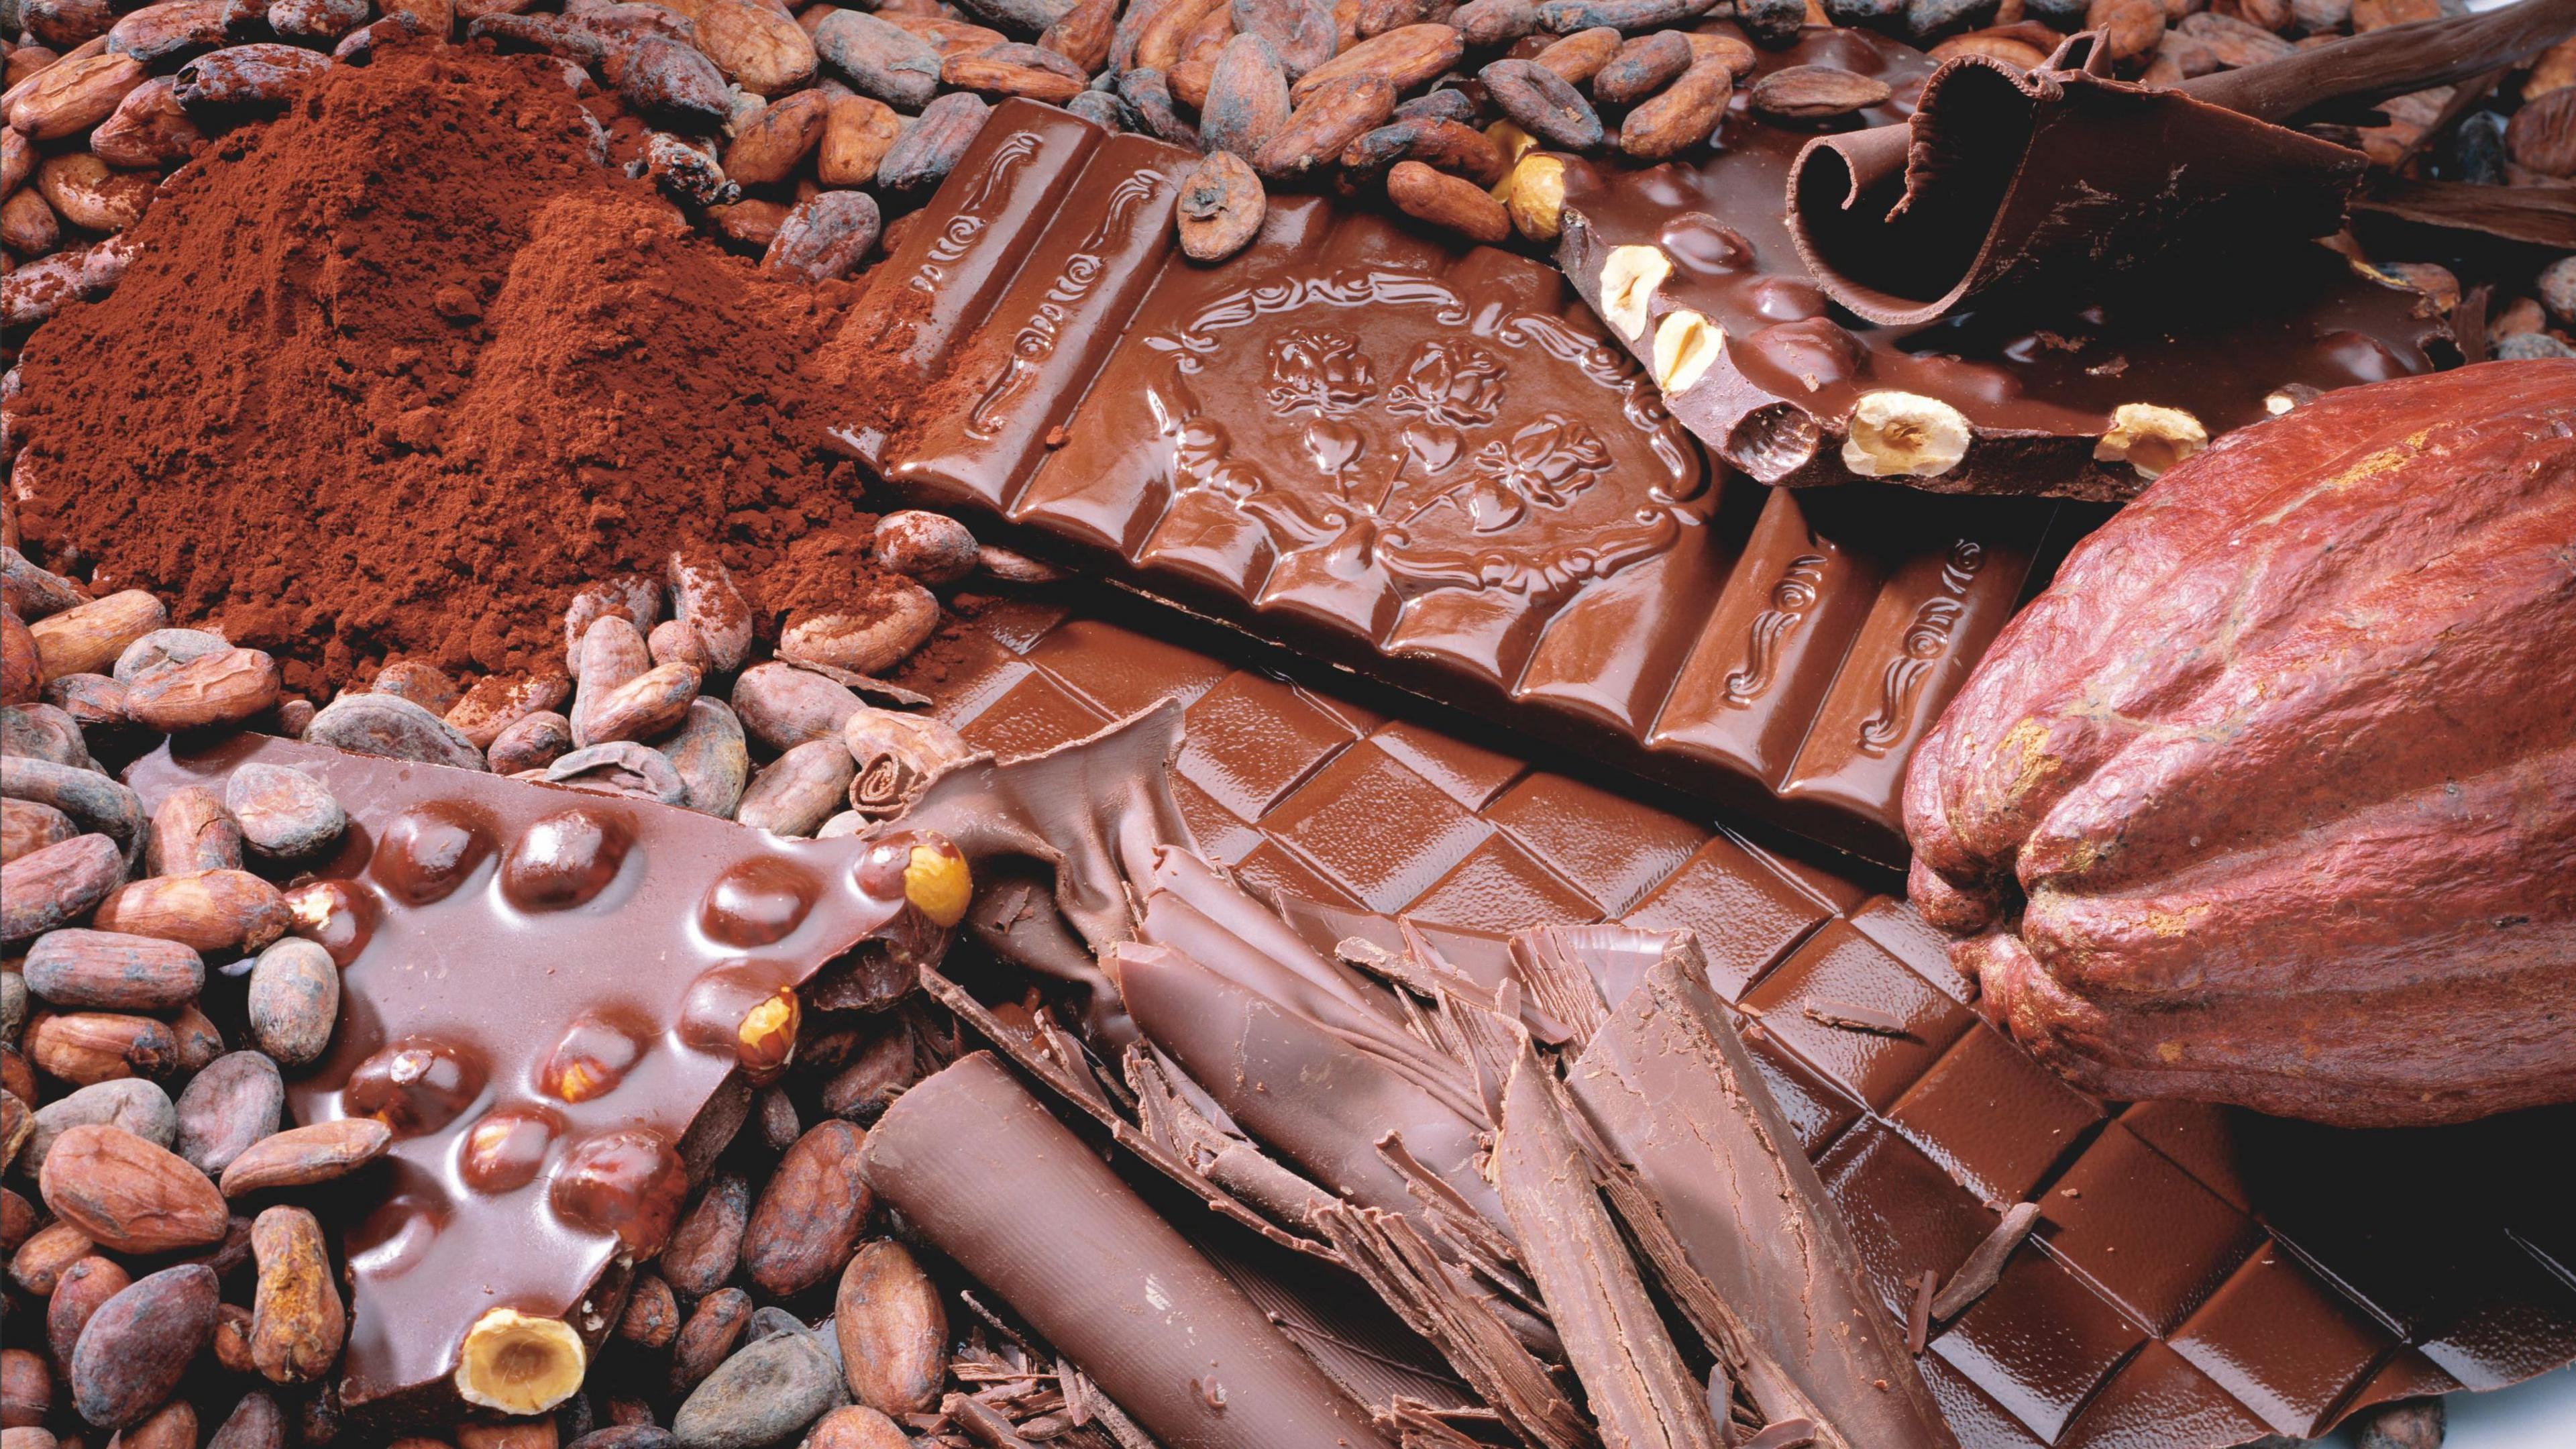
(1676, 1098)
(1022, 1204)
(544, 990)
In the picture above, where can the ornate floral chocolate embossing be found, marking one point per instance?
(1320, 368)
(1925, 641)
(1459, 384)
(1791, 598)
(975, 214)
(1036, 342)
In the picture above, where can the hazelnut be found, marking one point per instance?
(1534, 196)
(2151, 439)
(936, 881)
(1904, 435)
(767, 1036)
(1686, 346)
(518, 1363)
(1629, 278)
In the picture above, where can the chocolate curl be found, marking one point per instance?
(2005, 178)
(2011, 178)
(1026, 1207)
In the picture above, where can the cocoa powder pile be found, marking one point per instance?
(394, 373)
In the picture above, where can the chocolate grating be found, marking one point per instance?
(1481, 500)
(2201, 1276)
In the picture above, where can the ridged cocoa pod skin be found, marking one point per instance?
(138, 1344)
(2406, 639)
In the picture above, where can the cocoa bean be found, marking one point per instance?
(619, 767)
(893, 1331)
(90, 699)
(1301, 33)
(21, 673)
(1686, 114)
(949, 38)
(199, 1042)
(227, 911)
(136, 1347)
(423, 684)
(710, 757)
(708, 1337)
(39, 1262)
(1219, 207)
(1011, 69)
(302, 1156)
(707, 1245)
(91, 196)
(761, 1395)
(1447, 201)
(74, 96)
(316, 20)
(1442, 145)
(857, 131)
(868, 638)
(779, 1126)
(44, 732)
(1082, 33)
(128, 1195)
(498, 701)
(855, 1426)
(172, 1426)
(798, 790)
(613, 652)
(1377, 17)
(17, 1124)
(28, 227)
(651, 1316)
(294, 1001)
(1578, 57)
(78, 1294)
(31, 592)
(751, 223)
(532, 742)
(297, 1320)
(923, 156)
(1642, 67)
(293, 716)
(809, 1216)
(1247, 100)
(1540, 102)
(879, 59)
(647, 706)
(673, 83)
(826, 237)
(1325, 123)
(862, 1090)
(1487, 24)
(1161, 39)
(760, 46)
(931, 548)
(1815, 92)
(1775, 22)
(65, 24)
(192, 832)
(86, 638)
(255, 1423)
(236, 1101)
(1105, 110)
(1565, 17)
(13, 1017)
(1028, 16)
(58, 884)
(127, 1103)
(633, 597)
(90, 798)
(782, 706)
(149, 127)
(284, 813)
(1148, 93)
(1448, 105)
(1405, 57)
(767, 151)
(393, 728)
(26, 826)
(2542, 135)
(37, 290)
(102, 969)
(244, 81)
(96, 1046)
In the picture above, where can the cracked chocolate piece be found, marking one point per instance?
(546, 990)
(984, 1172)
(2016, 396)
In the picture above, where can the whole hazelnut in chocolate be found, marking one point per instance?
(427, 852)
(630, 1183)
(930, 547)
(416, 1085)
(757, 902)
(504, 1150)
(593, 1057)
(565, 859)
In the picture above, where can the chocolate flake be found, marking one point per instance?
(1848, 1017)
(1918, 1317)
(1985, 1263)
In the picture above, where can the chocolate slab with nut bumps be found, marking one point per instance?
(2089, 396)
(2198, 1277)
(1424, 464)
(546, 990)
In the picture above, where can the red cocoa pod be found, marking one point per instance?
(708, 1338)
(1447, 201)
(27, 826)
(49, 888)
(297, 1320)
(810, 1214)
(1540, 102)
(824, 238)
(192, 831)
(138, 1344)
(219, 689)
(1580, 56)
(149, 128)
(107, 971)
(857, 132)
(1642, 67)
(893, 1331)
(86, 639)
(302, 1156)
(242, 81)
(1219, 207)
(229, 911)
(707, 1245)
(498, 701)
(78, 1293)
(532, 743)
(1247, 98)
(766, 149)
(1326, 122)
(1443, 145)
(1686, 114)
(128, 1195)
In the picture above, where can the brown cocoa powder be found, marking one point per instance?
(394, 373)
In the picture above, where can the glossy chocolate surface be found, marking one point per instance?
(2037, 378)
(2216, 1277)
(1423, 463)
(549, 992)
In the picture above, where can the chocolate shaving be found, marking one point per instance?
(2538, 215)
(1786, 1434)
(1845, 1016)
(1918, 1317)
(2393, 60)
(1985, 1263)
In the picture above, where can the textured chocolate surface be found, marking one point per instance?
(2214, 1276)
(459, 948)
(1423, 463)
(2039, 382)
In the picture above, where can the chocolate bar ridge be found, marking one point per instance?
(1426, 464)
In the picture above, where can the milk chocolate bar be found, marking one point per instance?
(2213, 1277)
(2080, 395)
(1417, 462)
(543, 991)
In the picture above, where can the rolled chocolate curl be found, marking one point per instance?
(1021, 1203)
(2005, 179)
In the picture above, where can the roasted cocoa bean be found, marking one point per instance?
(192, 832)
(1578, 57)
(86, 638)
(284, 813)
(165, 647)
(51, 735)
(422, 683)
(767, 151)
(613, 653)
(708, 1337)
(532, 742)
(1247, 99)
(856, 1426)
(58, 884)
(783, 706)
(1815, 93)
(810, 1213)
(302, 1156)
(826, 237)
(28, 591)
(1447, 201)
(1565, 17)
(1012, 69)
(74, 96)
(172, 1426)
(761, 1395)
(893, 1330)
(857, 131)
(633, 597)
(297, 1320)
(1540, 102)
(316, 21)
(89, 797)
(647, 706)
(294, 1001)
(83, 1288)
(1442, 145)
(128, 1103)
(1488, 24)
(1642, 67)
(923, 156)
(128, 1195)
(1325, 123)
(498, 701)
(711, 758)
(1685, 114)
(619, 767)
(92, 700)
(112, 972)
(227, 911)
(673, 83)
(759, 46)
(255, 1423)
(393, 728)
(1220, 207)
(1148, 92)
(652, 1314)
(39, 1262)
(796, 792)
(26, 826)
(28, 227)
(199, 1042)
(878, 58)
(236, 1101)
(138, 1344)
(244, 81)
(1082, 34)
(707, 1245)
(87, 1047)
(1405, 57)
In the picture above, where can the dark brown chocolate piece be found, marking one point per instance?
(544, 988)
(1425, 464)
(2037, 385)
(986, 1174)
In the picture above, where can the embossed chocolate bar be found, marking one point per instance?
(1422, 463)
(544, 991)
(2078, 395)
